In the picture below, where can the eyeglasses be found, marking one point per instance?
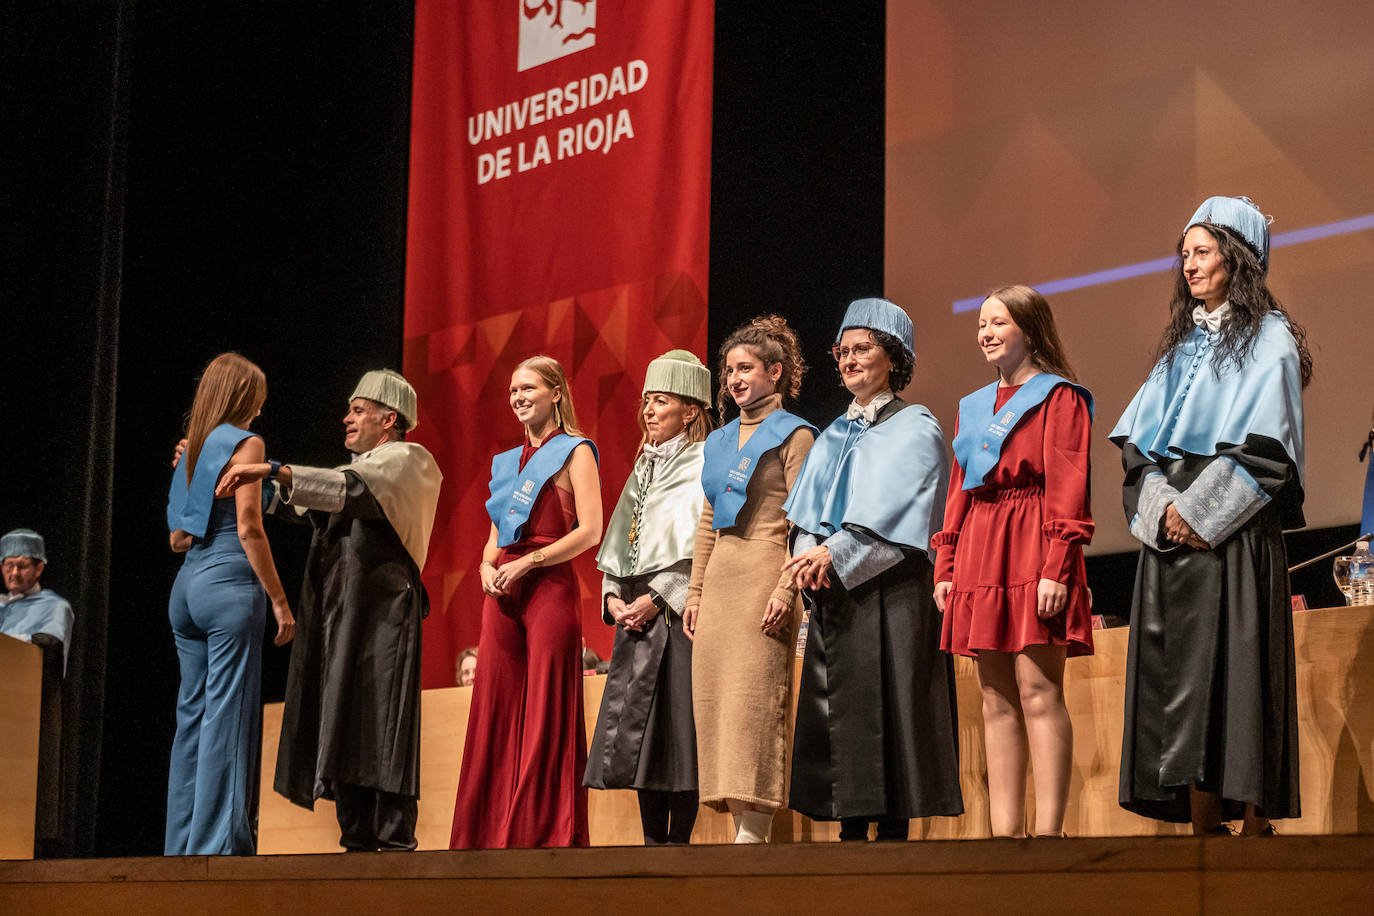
(859, 351)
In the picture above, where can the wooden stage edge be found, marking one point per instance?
(1175, 875)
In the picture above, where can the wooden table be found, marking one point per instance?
(1335, 664)
(21, 699)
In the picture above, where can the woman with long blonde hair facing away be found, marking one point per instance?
(218, 608)
(526, 747)
(1009, 567)
(742, 610)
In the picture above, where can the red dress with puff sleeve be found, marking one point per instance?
(1028, 520)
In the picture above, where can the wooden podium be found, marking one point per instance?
(21, 700)
(1335, 666)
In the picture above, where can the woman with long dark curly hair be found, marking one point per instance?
(741, 610)
(1212, 446)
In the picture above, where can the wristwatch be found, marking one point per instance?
(272, 468)
(538, 558)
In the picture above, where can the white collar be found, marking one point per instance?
(1212, 320)
(15, 596)
(667, 449)
(869, 411)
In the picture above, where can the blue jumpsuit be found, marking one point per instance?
(217, 611)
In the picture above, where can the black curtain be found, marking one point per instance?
(64, 131)
(797, 170)
(180, 180)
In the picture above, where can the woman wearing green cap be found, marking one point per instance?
(645, 738)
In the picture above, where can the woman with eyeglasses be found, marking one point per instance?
(877, 735)
(1009, 568)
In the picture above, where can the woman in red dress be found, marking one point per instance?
(1009, 568)
(526, 747)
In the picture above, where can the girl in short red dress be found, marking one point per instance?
(1009, 567)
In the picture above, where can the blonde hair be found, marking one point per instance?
(548, 369)
(231, 390)
(697, 429)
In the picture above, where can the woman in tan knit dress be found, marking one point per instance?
(741, 610)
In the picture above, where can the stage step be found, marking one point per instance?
(1174, 875)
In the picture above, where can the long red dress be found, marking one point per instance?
(526, 748)
(1028, 520)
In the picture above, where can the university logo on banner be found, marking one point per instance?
(550, 29)
(559, 204)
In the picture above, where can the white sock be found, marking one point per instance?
(753, 826)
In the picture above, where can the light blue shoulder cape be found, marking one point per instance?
(983, 428)
(728, 468)
(188, 508)
(1187, 409)
(889, 478)
(514, 489)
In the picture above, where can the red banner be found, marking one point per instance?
(559, 204)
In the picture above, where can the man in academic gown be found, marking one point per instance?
(351, 727)
(39, 615)
(28, 611)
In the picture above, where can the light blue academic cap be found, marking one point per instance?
(1240, 214)
(23, 542)
(880, 315)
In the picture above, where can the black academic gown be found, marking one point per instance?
(645, 737)
(1211, 688)
(353, 690)
(877, 733)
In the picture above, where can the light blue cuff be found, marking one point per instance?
(858, 556)
(1222, 499)
(1155, 496)
(804, 541)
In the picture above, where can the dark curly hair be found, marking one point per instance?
(1250, 300)
(773, 341)
(903, 366)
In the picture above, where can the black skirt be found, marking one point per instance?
(877, 732)
(645, 736)
(1211, 688)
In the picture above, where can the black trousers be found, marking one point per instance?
(667, 817)
(890, 829)
(371, 820)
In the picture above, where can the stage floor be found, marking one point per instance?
(1174, 875)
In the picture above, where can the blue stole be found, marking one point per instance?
(983, 428)
(1187, 409)
(188, 508)
(728, 468)
(514, 489)
(888, 478)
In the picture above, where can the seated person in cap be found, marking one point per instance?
(351, 727)
(27, 610)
